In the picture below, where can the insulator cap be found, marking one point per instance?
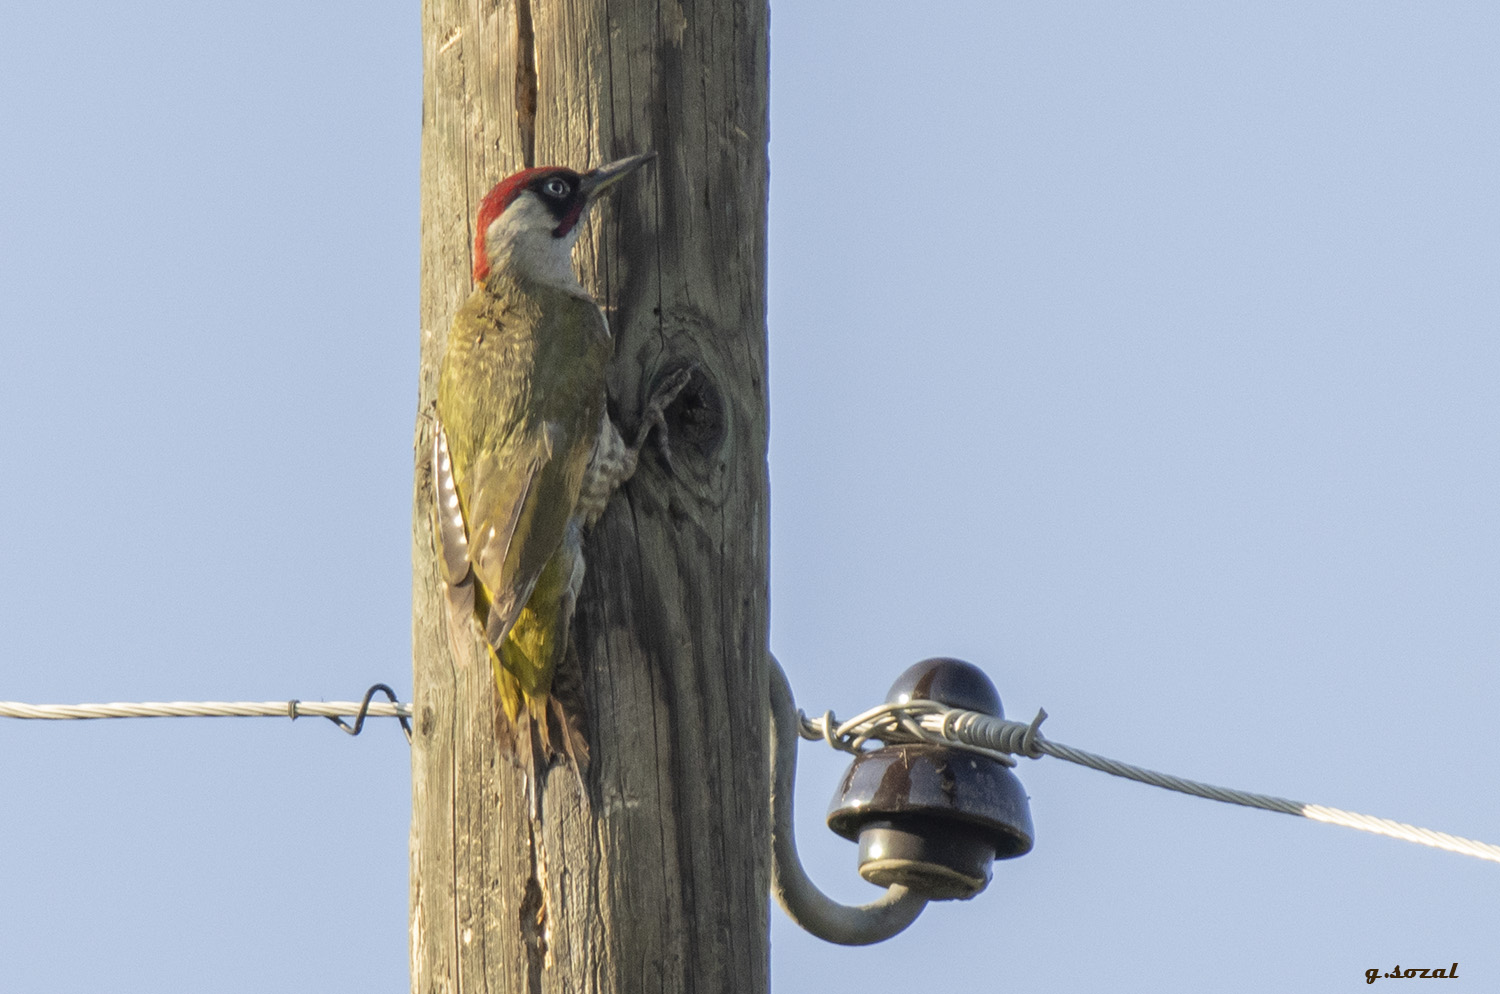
(930, 817)
(947, 681)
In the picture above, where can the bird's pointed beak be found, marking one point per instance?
(601, 179)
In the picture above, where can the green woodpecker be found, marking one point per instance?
(525, 457)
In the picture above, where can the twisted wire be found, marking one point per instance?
(334, 711)
(929, 722)
(204, 709)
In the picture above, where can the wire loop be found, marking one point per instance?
(917, 722)
(364, 709)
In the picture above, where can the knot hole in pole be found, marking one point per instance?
(695, 419)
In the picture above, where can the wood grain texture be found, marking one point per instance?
(653, 878)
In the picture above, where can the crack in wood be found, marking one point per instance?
(534, 915)
(526, 84)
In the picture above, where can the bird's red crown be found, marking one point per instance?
(566, 208)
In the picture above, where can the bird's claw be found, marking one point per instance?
(655, 415)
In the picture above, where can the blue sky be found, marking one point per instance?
(1145, 355)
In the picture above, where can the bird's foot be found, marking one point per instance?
(655, 414)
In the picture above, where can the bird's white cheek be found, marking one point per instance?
(521, 239)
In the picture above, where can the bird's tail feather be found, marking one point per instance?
(542, 728)
(568, 713)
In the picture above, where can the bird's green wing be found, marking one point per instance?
(521, 394)
(517, 514)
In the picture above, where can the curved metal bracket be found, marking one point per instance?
(799, 897)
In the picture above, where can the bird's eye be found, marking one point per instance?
(555, 188)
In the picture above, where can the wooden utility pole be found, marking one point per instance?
(655, 878)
